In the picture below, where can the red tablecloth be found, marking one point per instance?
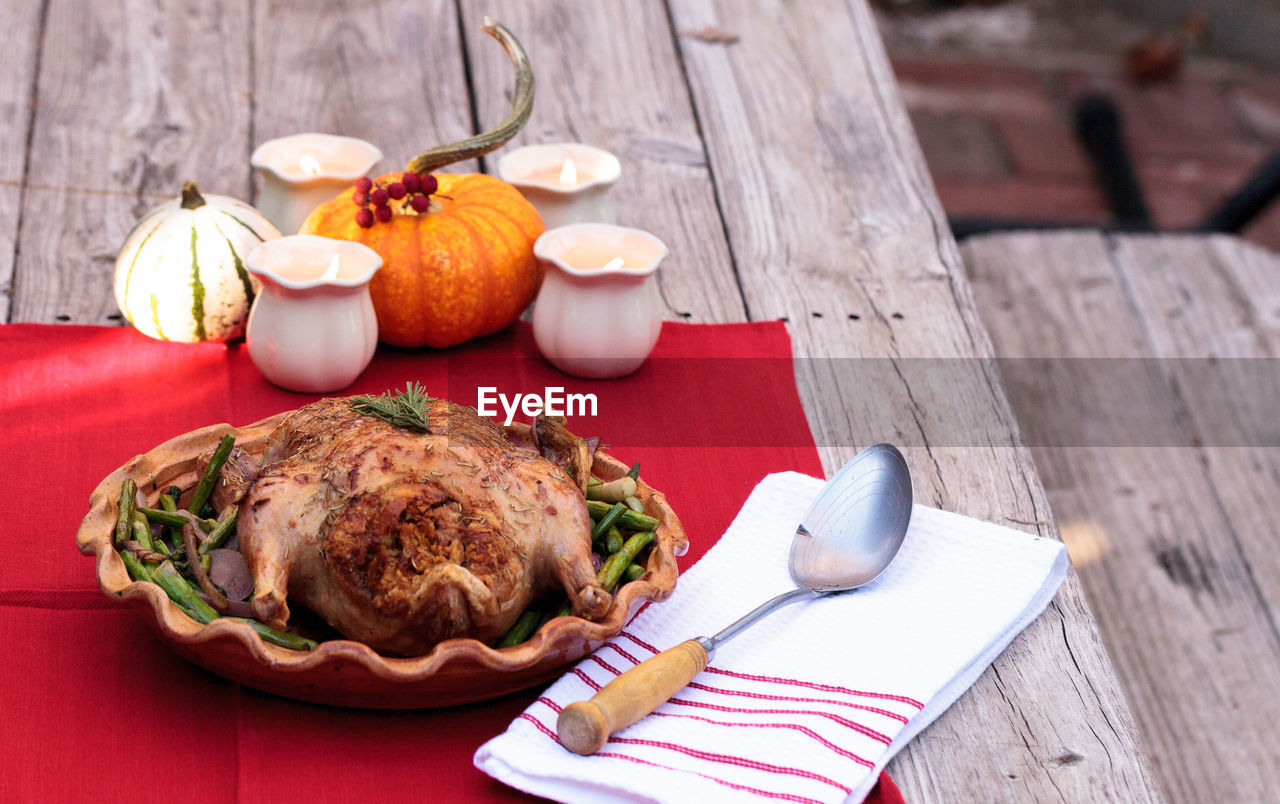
(94, 707)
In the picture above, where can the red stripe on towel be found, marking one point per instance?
(743, 694)
(588, 680)
(844, 721)
(761, 696)
(808, 732)
(729, 759)
(733, 785)
(789, 681)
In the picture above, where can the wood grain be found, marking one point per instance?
(585, 726)
(1219, 298)
(831, 214)
(132, 98)
(19, 60)
(633, 101)
(387, 72)
(1182, 587)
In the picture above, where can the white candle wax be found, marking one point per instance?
(313, 327)
(595, 273)
(566, 182)
(301, 172)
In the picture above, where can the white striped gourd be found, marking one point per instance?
(181, 276)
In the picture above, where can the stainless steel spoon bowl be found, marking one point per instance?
(850, 534)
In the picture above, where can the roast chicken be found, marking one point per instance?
(400, 539)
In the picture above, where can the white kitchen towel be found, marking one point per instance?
(810, 703)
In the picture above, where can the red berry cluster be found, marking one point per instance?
(375, 200)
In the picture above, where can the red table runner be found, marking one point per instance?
(95, 707)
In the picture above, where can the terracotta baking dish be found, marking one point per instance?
(339, 671)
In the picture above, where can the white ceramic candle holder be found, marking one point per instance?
(301, 172)
(566, 182)
(312, 328)
(599, 312)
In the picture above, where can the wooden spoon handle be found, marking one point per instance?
(584, 727)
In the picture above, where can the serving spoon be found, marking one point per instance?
(849, 535)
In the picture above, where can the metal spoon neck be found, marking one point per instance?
(711, 643)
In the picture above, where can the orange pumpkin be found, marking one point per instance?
(461, 270)
(464, 267)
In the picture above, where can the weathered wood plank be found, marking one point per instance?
(1191, 639)
(632, 100)
(1220, 297)
(132, 99)
(831, 214)
(19, 60)
(387, 72)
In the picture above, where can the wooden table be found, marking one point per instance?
(778, 164)
(1172, 527)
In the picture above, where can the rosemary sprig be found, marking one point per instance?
(407, 408)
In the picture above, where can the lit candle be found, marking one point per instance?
(301, 172)
(332, 271)
(566, 182)
(569, 173)
(313, 327)
(562, 177)
(589, 258)
(598, 272)
(310, 165)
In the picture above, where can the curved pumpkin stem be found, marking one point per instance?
(521, 106)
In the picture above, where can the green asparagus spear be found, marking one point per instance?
(523, 629)
(629, 520)
(221, 532)
(169, 502)
(634, 471)
(174, 520)
(181, 591)
(634, 504)
(602, 527)
(634, 571)
(142, 531)
(207, 480)
(269, 634)
(616, 564)
(137, 570)
(613, 540)
(124, 511)
(176, 587)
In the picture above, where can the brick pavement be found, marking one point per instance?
(999, 140)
